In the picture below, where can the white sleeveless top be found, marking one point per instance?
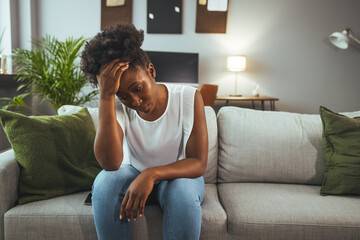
(163, 141)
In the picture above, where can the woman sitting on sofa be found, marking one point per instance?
(156, 152)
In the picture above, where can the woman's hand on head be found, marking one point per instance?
(109, 77)
(136, 196)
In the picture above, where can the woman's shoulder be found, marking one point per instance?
(180, 88)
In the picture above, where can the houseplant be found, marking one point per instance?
(50, 71)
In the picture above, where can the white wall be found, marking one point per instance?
(285, 42)
(5, 26)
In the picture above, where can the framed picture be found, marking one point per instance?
(211, 16)
(164, 16)
(114, 12)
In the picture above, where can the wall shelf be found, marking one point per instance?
(8, 81)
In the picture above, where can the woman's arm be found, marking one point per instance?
(109, 137)
(192, 166)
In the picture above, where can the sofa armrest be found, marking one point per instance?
(9, 179)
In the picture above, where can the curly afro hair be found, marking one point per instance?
(122, 41)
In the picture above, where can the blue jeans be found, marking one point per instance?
(180, 199)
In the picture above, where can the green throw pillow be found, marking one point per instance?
(341, 146)
(55, 153)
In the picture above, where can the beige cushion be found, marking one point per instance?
(288, 211)
(264, 146)
(70, 109)
(210, 175)
(214, 219)
(65, 217)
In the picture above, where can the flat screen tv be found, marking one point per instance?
(176, 67)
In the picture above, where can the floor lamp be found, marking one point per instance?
(236, 64)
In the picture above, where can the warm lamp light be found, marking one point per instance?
(236, 64)
(341, 40)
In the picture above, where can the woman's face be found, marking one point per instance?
(138, 89)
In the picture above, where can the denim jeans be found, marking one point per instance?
(180, 199)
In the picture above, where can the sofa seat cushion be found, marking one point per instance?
(67, 217)
(288, 211)
(213, 225)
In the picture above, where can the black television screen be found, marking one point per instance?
(174, 67)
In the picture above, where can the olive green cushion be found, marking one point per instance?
(341, 146)
(55, 153)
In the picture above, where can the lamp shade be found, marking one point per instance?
(340, 40)
(236, 63)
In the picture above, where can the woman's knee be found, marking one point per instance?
(185, 192)
(113, 181)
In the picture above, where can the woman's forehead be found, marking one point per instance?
(130, 77)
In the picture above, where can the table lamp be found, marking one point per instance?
(3, 69)
(341, 40)
(236, 64)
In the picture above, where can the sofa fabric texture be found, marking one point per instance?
(9, 181)
(67, 217)
(261, 146)
(263, 180)
(288, 211)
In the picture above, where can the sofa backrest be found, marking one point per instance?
(263, 146)
(210, 175)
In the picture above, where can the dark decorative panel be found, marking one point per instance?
(164, 16)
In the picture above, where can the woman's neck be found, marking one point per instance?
(161, 104)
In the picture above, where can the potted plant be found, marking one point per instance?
(50, 71)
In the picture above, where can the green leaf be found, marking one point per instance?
(6, 99)
(51, 70)
(19, 101)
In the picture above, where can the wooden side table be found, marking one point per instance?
(253, 99)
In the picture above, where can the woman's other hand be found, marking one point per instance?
(109, 77)
(136, 195)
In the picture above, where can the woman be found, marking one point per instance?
(156, 152)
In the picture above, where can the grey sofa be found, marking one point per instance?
(263, 180)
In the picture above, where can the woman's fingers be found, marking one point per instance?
(114, 65)
(128, 207)
(123, 205)
(135, 208)
(142, 207)
(110, 68)
(120, 70)
(109, 77)
(106, 68)
(131, 205)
